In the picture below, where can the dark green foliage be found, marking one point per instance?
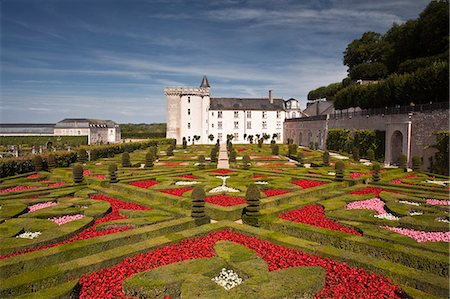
(59, 142)
(251, 212)
(343, 140)
(369, 71)
(327, 92)
(126, 160)
(370, 154)
(300, 158)
(201, 162)
(143, 131)
(326, 158)
(198, 204)
(154, 151)
(289, 140)
(211, 137)
(368, 49)
(94, 154)
(229, 145)
(311, 145)
(316, 145)
(275, 150)
(416, 163)
(403, 162)
(233, 155)
(260, 142)
(213, 154)
(339, 169)
(51, 161)
(355, 154)
(82, 156)
(441, 157)
(77, 173)
(246, 162)
(170, 150)
(149, 159)
(376, 172)
(38, 163)
(112, 173)
(184, 143)
(292, 150)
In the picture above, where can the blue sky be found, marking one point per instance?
(112, 59)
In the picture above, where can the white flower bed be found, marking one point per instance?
(332, 173)
(228, 279)
(442, 219)
(223, 188)
(440, 183)
(29, 235)
(409, 202)
(185, 183)
(367, 163)
(387, 216)
(261, 183)
(415, 213)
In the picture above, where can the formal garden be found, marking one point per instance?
(158, 220)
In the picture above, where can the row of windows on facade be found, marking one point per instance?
(78, 132)
(236, 125)
(236, 114)
(236, 136)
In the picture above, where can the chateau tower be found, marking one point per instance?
(187, 112)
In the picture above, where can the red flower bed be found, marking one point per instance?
(341, 280)
(260, 176)
(222, 171)
(314, 215)
(86, 172)
(241, 149)
(177, 192)
(92, 232)
(306, 184)
(355, 175)
(18, 188)
(274, 192)
(56, 184)
(171, 164)
(225, 200)
(34, 176)
(99, 176)
(143, 184)
(369, 190)
(188, 177)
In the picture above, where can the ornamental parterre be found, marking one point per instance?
(341, 280)
(306, 184)
(225, 200)
(144, 184)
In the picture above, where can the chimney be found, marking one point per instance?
(270, 96)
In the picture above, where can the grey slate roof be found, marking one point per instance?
(246, 104)
(84, 123)
(26, 128)
(205, 82)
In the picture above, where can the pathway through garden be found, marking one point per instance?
(223, 157)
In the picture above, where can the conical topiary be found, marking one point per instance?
(82, 156)
(154, 151)
(198, 206)
(51, 161)
(326, 158)
(355, 154)
(275, 150)
(376, 172)
(170, 149)
(233, 155)
(201, 162)
(184, 143)
(38, 163)
(416, 163)
(94, 154)
(126, 160)
(246, 162)
(404, 163)
(251, 212)
(213, 155)
(77, 173)
(339, 168)
(112, 171)
(149, 159)
(370, 154)
(300, 158)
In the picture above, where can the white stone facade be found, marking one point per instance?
(97, 131)
(192, 112)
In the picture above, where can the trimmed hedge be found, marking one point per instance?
(57, 141)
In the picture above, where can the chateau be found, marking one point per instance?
(193, 114)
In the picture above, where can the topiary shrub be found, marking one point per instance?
(300, 159)
(246, 162)
(339, 169)
(198, 206)
(404, 162)
(154, 151)
(292, 150)
(251, 212)
(184, 143)
(316, 145)
(170, 150)
(112, 172)
(38, 163)
(233, 155)
(326, 158)
(51, 161)
(355, 154)
(213, 155)
(376, 172)
(275, 150)
(82, 156)
(370, 154)
(149, 159)
(416, 163)
(201, 162)
(126, 160)
(77, 173)
(94, 154)
(260, 142)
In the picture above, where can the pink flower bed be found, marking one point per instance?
(375, 204)
(315, 215)
(99, 176)
(438, 202)
(225, 200)
(222, 171)
(34, 176)
(274, 192)
(40, 206)
(355, 175)
(144, 184)
(56, 184)
(176, 192)
(421, 236)
(86, 172)
(18, 188)
(65, 219)
(306, 184)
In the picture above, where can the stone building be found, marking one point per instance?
(408, 130)
(192, 112)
